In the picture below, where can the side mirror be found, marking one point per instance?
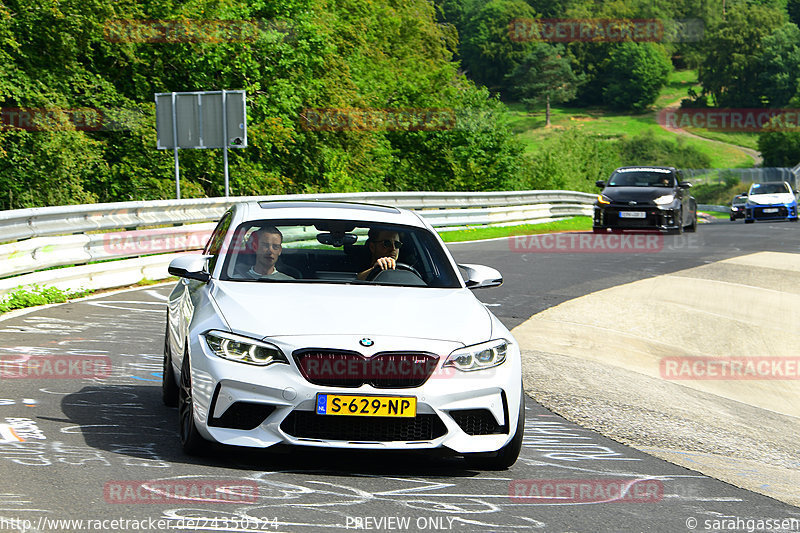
(600, 183)
(481, 277)
(685, 185)
(190, 267)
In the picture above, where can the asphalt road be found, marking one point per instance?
(106, 449)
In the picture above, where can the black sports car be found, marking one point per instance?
(737, 206)
(645, 198)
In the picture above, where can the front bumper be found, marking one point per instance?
(619, 217)
(246, 405)
(771, 212)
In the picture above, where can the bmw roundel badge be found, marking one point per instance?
(366, 342)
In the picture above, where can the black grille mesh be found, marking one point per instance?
(477, 422)
(242, 415)
(309, 425)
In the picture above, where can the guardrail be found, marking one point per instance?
(50, 237)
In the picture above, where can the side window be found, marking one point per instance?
(214, 245)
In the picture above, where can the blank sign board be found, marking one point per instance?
(199, 120)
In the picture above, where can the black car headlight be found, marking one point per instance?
(603, 200)
(243, 349)
(665, 199)
(479, 356)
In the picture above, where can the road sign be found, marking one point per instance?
(201, 119)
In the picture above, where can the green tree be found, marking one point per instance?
(488, 53)
(793, 8)
(544, 75)
(730, 71)
(778, 66)
(779, 145)
(635, 73)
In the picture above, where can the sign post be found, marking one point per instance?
(201, 119)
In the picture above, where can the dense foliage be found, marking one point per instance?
(307, 54)
(453, 56)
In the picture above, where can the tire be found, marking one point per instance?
(169, 389)
(748, 221)
(192, 442)
(693, 227)
(506, 456)
(598, 230)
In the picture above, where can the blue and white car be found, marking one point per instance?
(770, 201)
(406, 359)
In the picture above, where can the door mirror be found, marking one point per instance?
(190, 267)
(481, 277)
(600, 183)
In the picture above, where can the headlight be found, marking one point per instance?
(479, 356)
(664, 200)
(604, 200)
(243, 349)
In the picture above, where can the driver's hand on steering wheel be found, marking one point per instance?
(384, 263)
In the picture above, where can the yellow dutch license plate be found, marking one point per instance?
(351, 405)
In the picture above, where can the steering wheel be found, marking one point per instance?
(398, 266)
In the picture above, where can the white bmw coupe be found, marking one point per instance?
(339, 325)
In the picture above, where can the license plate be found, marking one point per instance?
(351, 405)
(632, 214)
(771, 210)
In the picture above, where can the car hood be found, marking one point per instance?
(282, 309)
(636, 194)
(780, 198)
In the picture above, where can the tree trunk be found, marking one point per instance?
(547, 113)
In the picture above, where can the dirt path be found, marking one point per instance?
(755, 154)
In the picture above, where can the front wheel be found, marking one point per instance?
(693, 227)
(506, 456)
(169, 389)
(749, 221)
(191, 440)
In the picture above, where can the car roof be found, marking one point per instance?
(327, 210)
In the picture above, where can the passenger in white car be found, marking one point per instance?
(267, 243)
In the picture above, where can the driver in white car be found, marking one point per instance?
(384, 247)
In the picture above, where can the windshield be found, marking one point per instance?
(641, 178)
(770, 188)
(336, 251)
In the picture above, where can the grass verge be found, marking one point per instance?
(478, 233)
(715, 214)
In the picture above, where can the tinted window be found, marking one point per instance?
(214, 244)
(325, 251)
(770, 188)
(642, 178)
